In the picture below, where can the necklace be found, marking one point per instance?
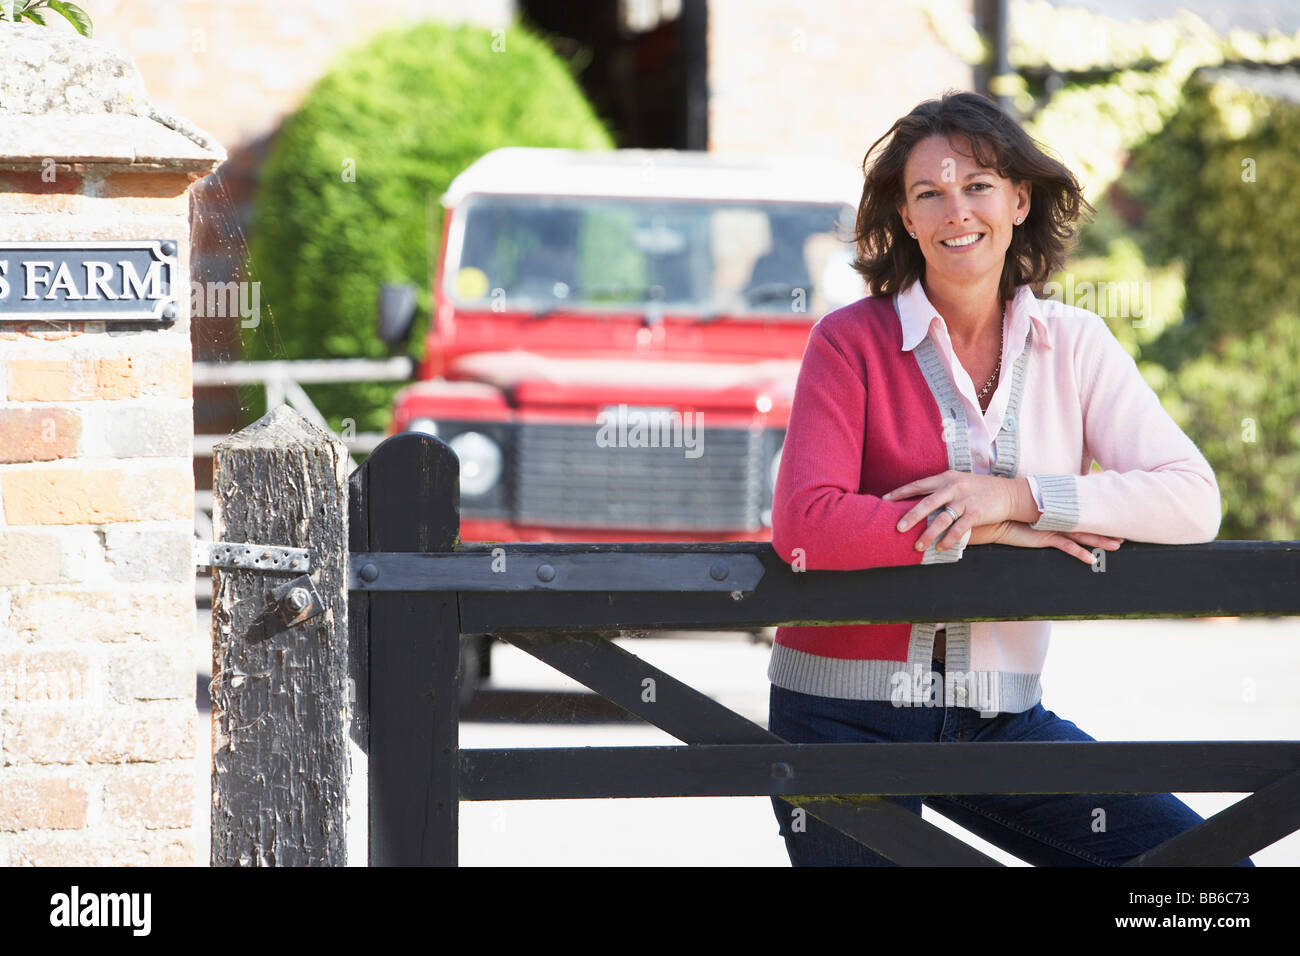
(998, 368)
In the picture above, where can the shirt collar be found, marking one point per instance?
(917, 315)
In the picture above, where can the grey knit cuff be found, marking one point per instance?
(1060, 503)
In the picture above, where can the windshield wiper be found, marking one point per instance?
(648, 295)
(759, 294)
(712, 315)
(772, 292)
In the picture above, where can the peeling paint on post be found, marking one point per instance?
(279, 695)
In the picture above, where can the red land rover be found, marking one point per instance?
(616, 336)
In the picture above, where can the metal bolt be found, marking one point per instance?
(369, 572)
(299, 600)
(718, 570)
(167, 248)
(545, 573)
(782, 771)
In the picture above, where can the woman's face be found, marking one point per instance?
(948, 196)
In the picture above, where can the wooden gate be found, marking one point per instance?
(413, 589)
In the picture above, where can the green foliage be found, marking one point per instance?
(33, 10)
(1110, 275)
(1091, 125)
(349, 195)
(1072, 39)
(1218, 187)
(1241, 402)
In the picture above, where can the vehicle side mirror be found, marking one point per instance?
(395, 313)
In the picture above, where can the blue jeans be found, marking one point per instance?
(1040, 829)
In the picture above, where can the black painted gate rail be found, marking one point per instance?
(562, 602)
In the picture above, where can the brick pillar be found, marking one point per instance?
(97, 615)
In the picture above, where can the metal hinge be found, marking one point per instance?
(253, 557)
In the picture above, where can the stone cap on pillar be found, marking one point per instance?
(69, 99)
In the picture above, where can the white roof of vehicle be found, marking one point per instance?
(656, 174)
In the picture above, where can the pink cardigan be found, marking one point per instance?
(878, 391)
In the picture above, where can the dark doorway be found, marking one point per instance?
(642, 65)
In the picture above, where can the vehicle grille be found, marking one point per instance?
(564, 477)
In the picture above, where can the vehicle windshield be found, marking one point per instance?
(542, 254)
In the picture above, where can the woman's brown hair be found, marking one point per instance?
(890, 260)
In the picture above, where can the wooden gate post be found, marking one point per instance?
(280, 692)
(406, 651)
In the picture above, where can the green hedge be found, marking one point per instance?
(405, 113)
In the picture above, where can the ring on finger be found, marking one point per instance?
(954, 514)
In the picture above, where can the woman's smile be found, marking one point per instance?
(962, 243)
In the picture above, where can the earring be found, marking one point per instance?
(912, 234)
(1018, 218)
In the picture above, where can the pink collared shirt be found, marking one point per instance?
(917, 317)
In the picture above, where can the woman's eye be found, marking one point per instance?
(931, 192)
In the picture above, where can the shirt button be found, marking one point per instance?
(1009, 423)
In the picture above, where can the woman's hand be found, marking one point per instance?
(975, 499)
(1075, 543)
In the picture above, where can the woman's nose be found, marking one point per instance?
(957, 210)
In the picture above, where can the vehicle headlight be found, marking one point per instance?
(480, 462)
(773, 468)
(426, 425)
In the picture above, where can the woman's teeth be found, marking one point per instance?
(964, 240)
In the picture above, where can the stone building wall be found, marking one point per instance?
(825, 78)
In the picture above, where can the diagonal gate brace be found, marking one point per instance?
(1234, 833)
(695, 718)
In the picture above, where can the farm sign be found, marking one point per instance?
(73, 281)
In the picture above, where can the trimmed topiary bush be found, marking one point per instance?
(348, 197)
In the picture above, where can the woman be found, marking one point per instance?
(952, 394)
